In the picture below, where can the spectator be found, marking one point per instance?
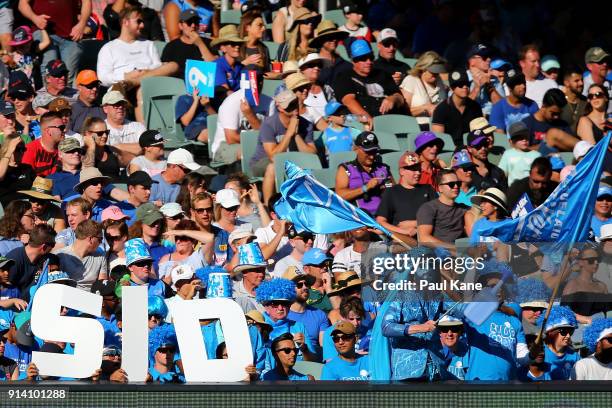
(106, 289)
(316, 264)
(388, 44)
(482, 88)
(592, 125)
(150, 226)
(347, 365)
(27, 53)
(55, 78)
(152, 29)
(597, 337)
(513, 107)
(319, 94)
(202, 214)
(573, 86)
(42, 154)
(254, 53)
(87, 104)
(15, 225)
(227, 203)
(440, 222)
(547, 130)
(338, 135)
(192, 112)
(8, 123)
(22, 273)
(251, 210)
(283, 21)
(301, 242)
(550, 67)
(463, 167)
(423, 88)
(20, 92)
(77, 211)
(227, 78)
(185, 284)
(393, 213)
(603, 206)
(365, 90)
(353, 23)
(285, 354)
(66, 32)
(140, 264)
(364, 180)
(283, 131)
(91, 187)
(123, 134)
(597, 62)
(208, 19)
(192, 184)
(296, 45)
(173, 214)
(537, 186)
(537, 84)
(238, 112)
(427, 146)
(346, 294)
(516, 162)
(498, 69)
(14, 174)
(455, 350)
(162, 349)
(66, 177)
(252, 266)
(44, 212)
(326, 41)
(19, 343)
(116, 235)
(98, 152)
(349, 258)
(82, 260)
(152, 161)
(453, 115)
(180, 162)
(139, 186)
(493, 208)
(188, 45)
(61, 106)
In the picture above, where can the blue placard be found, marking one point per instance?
(200, 74)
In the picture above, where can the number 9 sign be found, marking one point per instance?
(201, 75)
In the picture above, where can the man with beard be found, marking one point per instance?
(576, 101)
(487, 174)
(537, 185)
(597, 366)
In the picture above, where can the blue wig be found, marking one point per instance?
(594, 330)
(275, 289)
(532, 290)
(560, 316)
(161, 335)
(157, 306)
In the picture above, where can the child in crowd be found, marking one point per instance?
(191, 112)
(9, 294)
(338, 137)
(27, 53)
(516, 161)
(353, 24)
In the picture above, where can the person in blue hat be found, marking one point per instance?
(316, 264)
(365, 90)
(603, 207)
(338, 136)
(464, 167)
(140, 264)
(163, 347)
(497, 69)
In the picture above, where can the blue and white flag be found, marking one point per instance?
(201, 75)
(43, 278)
(311, 206)
(565, 217)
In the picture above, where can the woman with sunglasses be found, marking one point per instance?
(584, 294)
(26, 120)
(184, 252)
(319, 94)
(226, 208)
(15, 225)
(300, 33)
(115, 235)
(285, 354)
(591, 125)
(14, 175)
(95, 136)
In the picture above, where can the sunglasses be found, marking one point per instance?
(533, 309)
(112, 353)
(345, 337)
(449, 329)
(232, 209)
(118, 105)
(388, 44)
(364, 58)
(480, 146)
(62, 128)
(565, 331)
(99, 133)
(203, 210)
(177, 217)
(310, 20)
(76, 151)
(301, 284)
(312, 66)
(607, 340)
(288, 350)
(165, 350)
(113, 237)
(416, 167)
(595, 95)
(155, 316)
(605, 198)
(462, 85)
(277, 303)
(590, 261)
(192, 21)
(143, 264)
(93, 85)
(182, 238)
(305, 237)
(452, 184)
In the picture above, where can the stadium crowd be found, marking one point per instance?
(437, 118)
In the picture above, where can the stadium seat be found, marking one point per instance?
(158, 95)
(410, 61)
(337, 16)
(121, 186)
(387, 141)
(391, 160)
(402, 124)
(325, 177)
(309, 367)
(270, 85)
(303, 160)
(248, 144)
(501, 139)
(272, 48)
(159, 46)
(449, 143)
(230, 17)
(568, 157)
(335, 159)
(494, 158)
(341, 50)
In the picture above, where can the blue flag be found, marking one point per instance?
(42, 279)
(565, 217)
(311, 206)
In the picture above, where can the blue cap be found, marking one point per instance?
(500, 64)
(461, 159)
(556, 162)
(604, 191)
(315, 256)
(360, 48)
(136, 250)
(332, 107)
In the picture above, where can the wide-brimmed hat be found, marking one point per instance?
(289, 67)
(249, 257)
(310, 58)
(257, 317)
(303, 14)
(295, 81)
(325, 31)
(493, 195)
(345, 280)
(294, 274)
(21, 35)
(227, 34)
(87, 175)
(41, 189)
(426, 138)
(449, 321)
(481, 124)
(606, 232)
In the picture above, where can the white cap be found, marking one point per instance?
(449, 321)
(184, 158)
(581, 148)
(312, 57)
(387, 33)
(606, 232)
(181, 272)
(171, 209)
(605, 333)
(112, 97)
(242, 231)
(227, 198)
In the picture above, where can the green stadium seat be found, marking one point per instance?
(501, 139)
(121, 186)
(410, 61)
(336, 159)
(159, 46)
(230, 17)
(248, 144)
(303, 160)
(158, 109)
(391, 160)
(270, 85)
(309, 367)
(387, 141)
(272, 48)
(211, 124)
(397, 124)
(341, 50)
(568, 157)
(449, 143)
(336, 15)
(446, 157)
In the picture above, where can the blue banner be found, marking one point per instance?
(43, 278)
(565, 217)
(201, 75)
(311, 206)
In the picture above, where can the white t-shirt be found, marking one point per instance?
(315, 105)
(230, 116)
(591, 369)
(85, 271)
(536, 89)
(422, 94)
(281, 266)
(148, 166)
(128, 133)
(117, 57)
(347, 260)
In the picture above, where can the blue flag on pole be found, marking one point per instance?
(42, 279)
(565, 217)
(311, 206)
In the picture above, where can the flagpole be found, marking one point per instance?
(399, 241)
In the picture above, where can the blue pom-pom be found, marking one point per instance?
(160, 335)
(275, 289)
(593, 331)
(530, 290)
(157, 306)
(559, 316)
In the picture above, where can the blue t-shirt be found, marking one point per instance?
(274, 375)
(524, 375)
(456, 362)
(129, 210)
(9, 292)
(560, 366)
(64, 182)
(596, 225)
(464, 198)
(315, 321)
(98, 207)
(162, 191)
(338, 369)
(112, 332)
(204, 9)
(172, 376)
(226, 75)
(503, 114)
(183, 104)
(22, 355)
(155, 287)
(338, 140)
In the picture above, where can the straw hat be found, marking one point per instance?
(41, 189)
(345, 280)
(227, 34)
(294, 81)
(302, 14)
(493, 195)
(88, 174)
(257, 317)
(294, 274)
(326, 30)
(289, 67)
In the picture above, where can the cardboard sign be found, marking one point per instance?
(201, 75)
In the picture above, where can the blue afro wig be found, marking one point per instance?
(560, 316)
(157, 306)
(532, 290)
(594, 330)
(275, 289)
(161, 335)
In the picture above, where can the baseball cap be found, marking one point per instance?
(408, 159)
(69, 144)
(500, 64)
(86, 77)
(250, 6)
(595, 54)
(103, 287)
(150, 138)
(171, 209)
(188, 14)
(148, 214)
(181, 272)
(549, 62)
(350, 7)
(42, 100)
(285, 98)
(293, 233)
(461, 159)
(112, 97)
(367, 141)
(479, 49)
(25, 337)
(182, 157)
(604, 190)
(315, 256)
(514, 78)
(7, 108)
(475, 137)
(5, 262)
(387, 34)
(114, 213)
(335, 108)
(227, 198)
(457, 78)
(136, 250)
(344, 327)
(312, 57)
(56, 68)
(360, 48)
(518, 129)
(19, 85)
(140, 178)
(59, 104)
